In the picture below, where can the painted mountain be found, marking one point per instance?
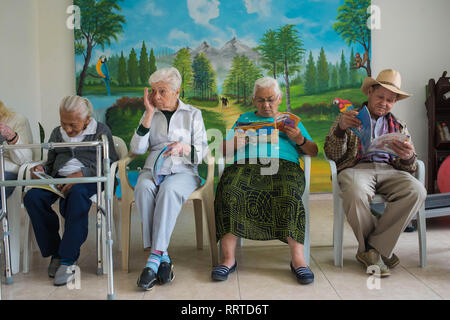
(220, 59)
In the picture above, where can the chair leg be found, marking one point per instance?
(208, 211)
(422, 233)
(26, 245)
(306, 244)
(126, 225)
(338, 234)
(198, 223)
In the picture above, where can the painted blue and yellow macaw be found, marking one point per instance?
(102, 70)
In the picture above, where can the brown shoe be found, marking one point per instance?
(391, 262)
(372, 260)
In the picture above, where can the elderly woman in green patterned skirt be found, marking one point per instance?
(259, 196)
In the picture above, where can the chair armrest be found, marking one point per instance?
(420, 172)
(210, 160)
(122, 166)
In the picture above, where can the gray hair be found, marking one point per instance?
(169, 75)
(267, 82)
(75, 103)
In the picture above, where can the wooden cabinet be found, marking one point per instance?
(438, 110)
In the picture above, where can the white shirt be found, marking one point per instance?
(186, 125)
(74, 165)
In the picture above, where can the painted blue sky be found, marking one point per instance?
(178, 23)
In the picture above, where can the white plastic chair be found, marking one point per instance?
(338, 224)
(121, 150)
(203, 199)
(305, 199)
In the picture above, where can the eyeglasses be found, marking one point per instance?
(263, 101)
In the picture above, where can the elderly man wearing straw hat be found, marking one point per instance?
(362, 176)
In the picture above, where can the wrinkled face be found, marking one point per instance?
(381, 101)
(73, 122)
(163, 96)
(267, 102)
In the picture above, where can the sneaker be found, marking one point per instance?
(165, 273)
(304, 275)
(391, 262)
(147, 279)
(64, 274)
(53, 266)
(373, 258)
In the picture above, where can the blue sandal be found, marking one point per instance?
(304, 274)
(220, 273)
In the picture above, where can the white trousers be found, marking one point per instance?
(159, 206)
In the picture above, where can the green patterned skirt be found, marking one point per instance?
(261, 207)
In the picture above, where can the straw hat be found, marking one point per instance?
(389, 79)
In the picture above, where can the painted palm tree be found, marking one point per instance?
(100, 24)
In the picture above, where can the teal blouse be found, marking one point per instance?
(285, 149)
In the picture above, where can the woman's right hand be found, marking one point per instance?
(149, 107)
(37, 168)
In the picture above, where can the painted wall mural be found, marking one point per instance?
(318, 50)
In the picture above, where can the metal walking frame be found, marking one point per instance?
(103, 208)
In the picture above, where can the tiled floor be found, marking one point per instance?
(263, 271)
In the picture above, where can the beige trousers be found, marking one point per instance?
(403, 193)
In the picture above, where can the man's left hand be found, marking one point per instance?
(405, 150)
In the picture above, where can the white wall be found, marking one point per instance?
(415, 40)
(37, 63)
(36, 59)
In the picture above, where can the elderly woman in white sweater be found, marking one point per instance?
(14, 129)
(175, 131)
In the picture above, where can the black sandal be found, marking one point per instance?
(304, 275)
(221, 273)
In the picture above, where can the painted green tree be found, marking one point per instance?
(183, 64)
(351, 25)
(291, 51)
(323, 76)
(100, 24)
(152, 61)
(270, 53)
(204, 78)
(343, 72)
(133, 68)
(122, 71)
(310, 76)
(144, 66)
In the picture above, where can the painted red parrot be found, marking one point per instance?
(343, 105)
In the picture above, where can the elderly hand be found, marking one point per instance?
(66, 187)
(38, 168)
(348, 120)
(177, 149)
(6, 132)
(294, 134)
(405, 150)
(149, 107)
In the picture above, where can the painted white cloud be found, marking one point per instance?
(202, 11)
(179, 35)
(261, 7)
(300, 21)
(152, 9)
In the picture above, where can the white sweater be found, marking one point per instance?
(16, 157)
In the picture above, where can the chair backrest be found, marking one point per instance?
(121, 147)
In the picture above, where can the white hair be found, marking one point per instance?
(75, 103)
(267, 82)
(169, 75)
